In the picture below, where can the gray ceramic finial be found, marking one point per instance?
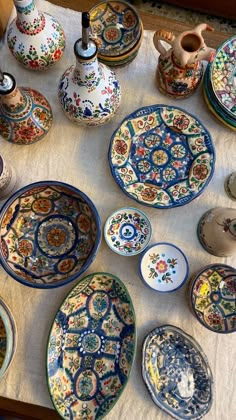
(7, 83)
(85, 47)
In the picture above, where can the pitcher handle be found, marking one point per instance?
(162, 35)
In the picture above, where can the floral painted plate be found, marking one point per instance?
(223, 76)
(91, 348)
(161, 156)
(213, 297)
(163, 267)
(127, 231)
(7, 337)
(50, 234)
(176, 373)
(115, 26)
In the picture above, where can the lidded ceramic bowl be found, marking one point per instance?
(128, 231)
(7, 337)
(163, 267)
(212, 297)
(117, 30)
(50, 234)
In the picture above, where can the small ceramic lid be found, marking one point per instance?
(164, 267)
(213, 297)
(127, 231)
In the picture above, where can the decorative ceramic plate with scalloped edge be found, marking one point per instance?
(127, 231)
(162, 156)
(91, 348)
(176, 373)
(7, 337)
(213, 297)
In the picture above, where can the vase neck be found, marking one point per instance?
(13, 102)
(29, 20)
(87, 73)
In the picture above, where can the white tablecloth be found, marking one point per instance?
(79, 156)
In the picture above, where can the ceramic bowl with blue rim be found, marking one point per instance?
(115, 27)
(50, 234)
(163, 267)
(162, 156)
(91, 348)
(7, 337)
(177, 373)
(212, 297)
(128, 231)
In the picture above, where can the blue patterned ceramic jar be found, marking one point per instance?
(35, 39)
(89, 91)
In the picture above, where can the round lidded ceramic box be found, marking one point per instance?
(7, 337)
(212, 297)
(128, 231)
(163, 267)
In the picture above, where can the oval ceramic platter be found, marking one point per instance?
(91, 348)
(127, 231)
(176, 373)
(223, 76)
(161, 156)
(213, 297)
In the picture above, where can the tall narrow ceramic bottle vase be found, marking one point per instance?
(217, 231)
(35, 39)
(25, 114)
(89, 91)
(180, 67)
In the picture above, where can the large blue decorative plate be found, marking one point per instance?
(91, 348)
(162, 156)
(176, 373)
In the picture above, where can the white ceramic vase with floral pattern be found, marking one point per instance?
(89, 91)
(25, 114)
(35, 39)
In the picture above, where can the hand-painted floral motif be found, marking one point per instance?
(127, 231)
(91, 348)
(164, 267)
(34, 38)
(177, 373)
(168, 154)
(222, 76)
(40, 237)
(89, 92)
(115, 27)
(25, 116)
(213, 297)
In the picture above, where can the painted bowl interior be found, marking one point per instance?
(7, 337)
(213, 298)
(161, 156)
(50, 233)
(176, 373)
(127, 231)
(91, 347)
(115, 27)
(164, 267)
(223, 76)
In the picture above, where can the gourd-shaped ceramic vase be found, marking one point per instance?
(217, 231)
(180, 68)
(25, 114)
(35, 39)
(89, 91)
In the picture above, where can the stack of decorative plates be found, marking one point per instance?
(117, 30)
(7, 337)
(220, 84)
